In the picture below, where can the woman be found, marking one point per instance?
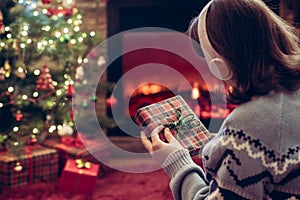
(256, 154)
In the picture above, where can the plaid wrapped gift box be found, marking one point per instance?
(38, 164)
(175, 114)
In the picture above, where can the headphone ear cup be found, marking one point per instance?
(219, 69)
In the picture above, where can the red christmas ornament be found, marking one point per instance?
(46, 1)
(1, 23)
(111, 101)
(93, 54)
(19, 116)
(44, 81)
(66, 12)
(32, 140)
(70, 91)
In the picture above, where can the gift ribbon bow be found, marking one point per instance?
(186, 122)
(83, 164)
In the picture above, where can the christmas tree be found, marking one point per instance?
(42, 50)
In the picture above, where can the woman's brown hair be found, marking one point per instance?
(262, 50)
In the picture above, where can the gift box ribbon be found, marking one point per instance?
(184, 123)
(30, 161)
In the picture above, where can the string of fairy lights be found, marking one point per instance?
(21, 39)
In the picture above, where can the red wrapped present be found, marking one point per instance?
(37, 164)
(175, 114)
(74, 150)
(78, 177)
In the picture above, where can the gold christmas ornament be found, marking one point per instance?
(18, 167)
(7, 69)
(20, 71)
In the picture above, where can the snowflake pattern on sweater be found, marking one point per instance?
(271, 172)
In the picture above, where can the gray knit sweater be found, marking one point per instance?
(255, 155)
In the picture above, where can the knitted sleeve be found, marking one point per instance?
(187, 179)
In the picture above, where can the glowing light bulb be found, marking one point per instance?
(35, 131)
(16, 129)
(24, 33)
(22, 45)
(24, 97)
(73, 41)
(35, 13)
(76, 28)
(79, 60)
(57, 34)
(1, 105)
(10, 89)
(39, 45)
(36, 72)
(92, 33)
(66, 30)
(80, 39)
(58, 92)
(59, 127)
(47, 28)
(20, 70)
(52, 129)
(35, 94)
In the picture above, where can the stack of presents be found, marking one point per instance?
(63, 160)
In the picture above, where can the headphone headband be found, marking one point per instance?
(215, 62)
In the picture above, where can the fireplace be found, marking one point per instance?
(123, 15)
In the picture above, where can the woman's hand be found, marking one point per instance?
(158, 149)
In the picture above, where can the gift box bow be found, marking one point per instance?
(186, 122)
(81, 164)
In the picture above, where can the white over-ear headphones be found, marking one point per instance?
(216, 64)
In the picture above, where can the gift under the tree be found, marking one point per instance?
(71, 148)
(35, 164)
(175, 114)
(79, 177)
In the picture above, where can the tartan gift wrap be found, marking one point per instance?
(37, 164)
(175, 114)
(78, 177)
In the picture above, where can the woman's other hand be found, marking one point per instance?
(158, 149)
